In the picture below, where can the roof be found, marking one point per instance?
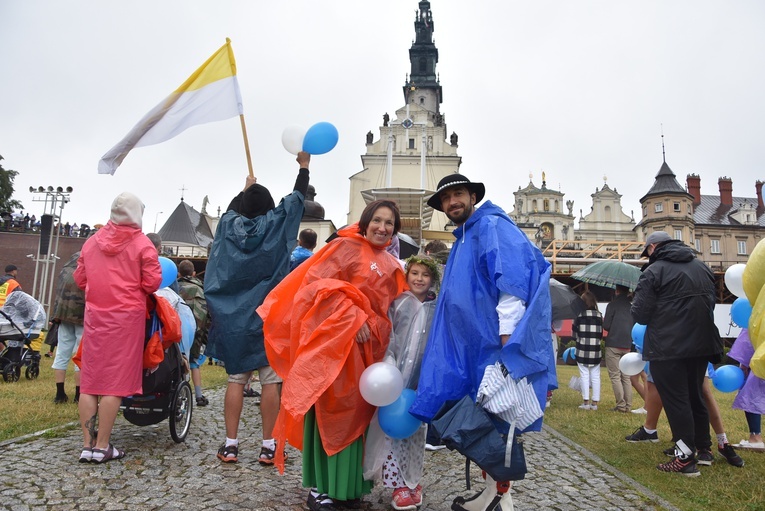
(711, 212)
(665, 182)
(186, 226)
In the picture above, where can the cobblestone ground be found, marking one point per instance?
(158, 474)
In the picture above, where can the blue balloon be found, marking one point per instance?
(710, 370)
(740, 312)
(320, 138)
(728, 378)
(638, 335)
(169, 271)
(569, 353)
(395, 419)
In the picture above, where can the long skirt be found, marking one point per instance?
(340, 476)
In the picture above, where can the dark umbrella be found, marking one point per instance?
(407, 246)
(566, 304)
(609, 273)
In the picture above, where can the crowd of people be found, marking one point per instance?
(23, 222)
(309, 324)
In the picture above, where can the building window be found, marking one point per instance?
(534, 205)
(658, 207)
(411, 143)
(422, 100)
(676, 207)
(697, 244)
(715, 248)
(741, 247)
(678, 234)
(547, 204)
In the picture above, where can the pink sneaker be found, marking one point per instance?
(402, 500)
(416, 495)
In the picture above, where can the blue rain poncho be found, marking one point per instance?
(491, 255)
(249, 257)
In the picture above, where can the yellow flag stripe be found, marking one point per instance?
(220, 65)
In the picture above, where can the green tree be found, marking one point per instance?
(6, 190)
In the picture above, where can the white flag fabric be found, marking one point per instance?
(210, 94)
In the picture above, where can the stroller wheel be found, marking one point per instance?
(32, 372)
(180, 412)
(11, 372)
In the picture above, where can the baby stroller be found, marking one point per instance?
(166, 390)
(21, 320)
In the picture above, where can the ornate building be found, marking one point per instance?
(539, 213)
(606, 220)
(412, 153)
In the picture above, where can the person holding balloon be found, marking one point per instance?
(118, 268)
(411, 315)
(249, 257)
(675, 299)
(324, 324)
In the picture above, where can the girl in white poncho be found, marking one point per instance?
(400, 462)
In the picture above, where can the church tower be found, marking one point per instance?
(411, 154)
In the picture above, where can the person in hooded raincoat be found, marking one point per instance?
(494, 305)
(324, 324)
(118, 268)
(249, 257)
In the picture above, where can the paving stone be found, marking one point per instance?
(159, 474)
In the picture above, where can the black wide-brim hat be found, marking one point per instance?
(456, 180)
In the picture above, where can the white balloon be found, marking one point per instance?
(734, 279)
(381, 384)
(631, 364)
(292, 138)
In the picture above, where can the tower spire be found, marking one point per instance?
(423, 81)
(663, 154)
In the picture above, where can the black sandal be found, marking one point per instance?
(108, 454)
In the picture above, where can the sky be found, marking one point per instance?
(578, 89)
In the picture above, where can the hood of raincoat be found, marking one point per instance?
(112, 238)
(127, 209)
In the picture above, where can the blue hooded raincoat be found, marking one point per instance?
(490, 255)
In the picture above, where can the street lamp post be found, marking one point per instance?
(54, 199)
(156, 217)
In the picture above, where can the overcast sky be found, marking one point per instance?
(577, 89)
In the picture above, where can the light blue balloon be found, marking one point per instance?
(569, 353)
(320, 138)
(395, 419)
(728, 378)
(169, 271)
(638, 335)
(740, 312)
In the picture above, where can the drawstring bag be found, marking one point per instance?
(153, 352)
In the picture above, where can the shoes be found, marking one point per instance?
(669, 452)
(584, 407)
(250, 392)
(320, 501)
(61, 399)
(729, 454)
(593, 407)
(86, 456)
(686, 467)
(416, 495)
(402, 500)
(641, 435)
(202, 401)
(705, 457)
(746, 444)
(267, 456)
(228, 453)
(104, 455)
(48, 355)
(430, 447)
(621, 410)
(640, 410)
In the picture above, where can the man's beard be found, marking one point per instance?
(462, 217)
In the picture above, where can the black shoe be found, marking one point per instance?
(61, 399)
(670, 451)
(729, 454)
(320, 502)
(685, 467)
(705, 457)
(251, 393)
(641, 435)
(202, 401)
(228, 454)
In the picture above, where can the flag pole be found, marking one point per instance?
(246, 145)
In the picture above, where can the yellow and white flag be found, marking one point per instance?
(210, 94)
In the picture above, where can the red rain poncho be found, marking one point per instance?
(310, 322)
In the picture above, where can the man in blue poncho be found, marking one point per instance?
(249, 257)
(494, 305)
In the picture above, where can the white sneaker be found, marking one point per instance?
(640, 410)
(746, 444)
(429, 447)
(584, 407)
(593, 407)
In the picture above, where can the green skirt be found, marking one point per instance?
(339, 476)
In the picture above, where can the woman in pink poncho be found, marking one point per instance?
(118, 268)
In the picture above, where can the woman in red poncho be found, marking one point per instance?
(324, 324)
